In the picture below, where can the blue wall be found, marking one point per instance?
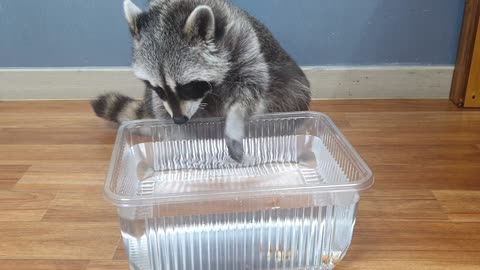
(73, 33)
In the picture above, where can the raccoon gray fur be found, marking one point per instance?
(202, 58)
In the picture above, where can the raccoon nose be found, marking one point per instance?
(180, 120)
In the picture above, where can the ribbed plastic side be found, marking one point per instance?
(304, 238)
(198, 152)
(201, 146)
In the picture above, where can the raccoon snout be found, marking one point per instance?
(180, 119)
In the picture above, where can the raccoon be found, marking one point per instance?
(202, 58)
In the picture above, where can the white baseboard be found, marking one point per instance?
(327, 82)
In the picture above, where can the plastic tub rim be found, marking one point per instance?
(120, 201)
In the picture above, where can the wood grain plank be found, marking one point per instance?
(46, 107)
(461, 205)
(108, 265)
(10, 174)
(58, 240)
(120, 253)
(414, 255)
(55, 120)
(23, 206)
(440, 229)
(398, 194)
(56, 152)
(383, 105)
(7, 184)
(43, 264)
(414, 154)
(439, 175)
(70, 166)
(405, 265)
(420, 122)
(12, 171)
(61, 181)
(381, 234)
(374, 136)
(81, 207)
(393, 205)
(67, 135)
(46, 165)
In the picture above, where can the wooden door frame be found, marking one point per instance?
(465, 90)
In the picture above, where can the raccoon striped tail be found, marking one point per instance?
(119, 108)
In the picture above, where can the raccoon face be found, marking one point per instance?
(184, 102)
(176, 55)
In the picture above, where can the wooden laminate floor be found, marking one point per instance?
(423, 212)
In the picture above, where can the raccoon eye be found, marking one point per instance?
(160, 92)
(157, 90)
(194, 90)
(147, 83)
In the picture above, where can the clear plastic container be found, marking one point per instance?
(184, 204)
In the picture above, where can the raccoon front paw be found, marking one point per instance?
(235, 149)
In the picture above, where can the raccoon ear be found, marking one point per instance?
(132, 13)
(201, 23)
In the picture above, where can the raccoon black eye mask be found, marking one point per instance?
(174, 100)
(190, 91)
(202, 58)
(194, 90)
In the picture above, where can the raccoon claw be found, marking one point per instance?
(235, 149)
